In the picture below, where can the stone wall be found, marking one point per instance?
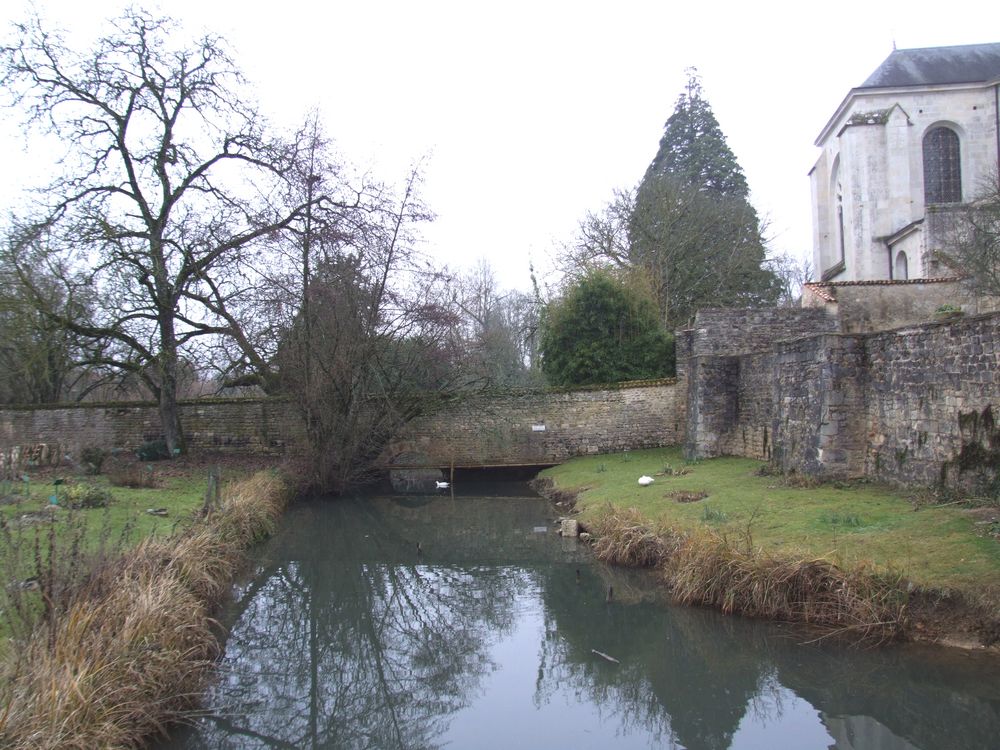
(545, 427)
(741, 331)
(932, 396)
(914, 405)
(865, 306)
(751, 433)
(711, 404)
(729, 376)
(782, 405)
(521, 428)
(241, 425)
(818, 421)
(683, 347)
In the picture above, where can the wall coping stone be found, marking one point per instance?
(214, 400)
(146, 404)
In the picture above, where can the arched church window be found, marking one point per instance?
(900, 274)
(835, 252)
(840, 225)
(942, 166)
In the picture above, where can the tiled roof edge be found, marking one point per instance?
(884, 282)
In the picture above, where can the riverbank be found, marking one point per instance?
(123, 644)
(856, 559)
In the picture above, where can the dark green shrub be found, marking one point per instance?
(604, 331)
(93, 458)
(154, 450)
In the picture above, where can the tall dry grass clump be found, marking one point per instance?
(109, 671)
(251, 509)
(709, 569)
(626, 538)
(134, 645)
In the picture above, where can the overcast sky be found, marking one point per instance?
(528, 114)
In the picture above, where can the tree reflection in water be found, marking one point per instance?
(347, 636)
(347, 651)
(683, 691)
(691, 678)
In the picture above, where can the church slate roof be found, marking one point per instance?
(928, 66)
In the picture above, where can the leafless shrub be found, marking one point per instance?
(134, 476)
(686, 496)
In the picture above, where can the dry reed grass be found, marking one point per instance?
(251, 509)
(625, 538)
(135, 644)
(708, 570)
(711, 570)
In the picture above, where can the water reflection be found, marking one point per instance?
(350, 635)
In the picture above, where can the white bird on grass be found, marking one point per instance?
(645, 481)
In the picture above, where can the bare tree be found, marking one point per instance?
(263, 294)
(168, 181)
(688, 247)
(37, 355)
(499, 329)
(373, 344)
(973, 242)
(602, 239)
(792, 273)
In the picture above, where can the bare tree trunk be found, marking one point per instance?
(170, 417)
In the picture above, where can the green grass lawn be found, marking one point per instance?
(851, 525)
(178, 495)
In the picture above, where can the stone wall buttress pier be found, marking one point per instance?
(731, 403)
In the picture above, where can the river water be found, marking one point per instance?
(465, 622)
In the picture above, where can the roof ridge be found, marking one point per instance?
(935, 66)
(948, 46)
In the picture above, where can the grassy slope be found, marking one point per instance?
(127, 652)
(852, 526)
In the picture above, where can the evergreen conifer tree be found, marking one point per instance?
(693, 149)
(693, 229)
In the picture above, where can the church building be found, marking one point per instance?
(903, 149)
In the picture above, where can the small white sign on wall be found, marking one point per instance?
(538, 428)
